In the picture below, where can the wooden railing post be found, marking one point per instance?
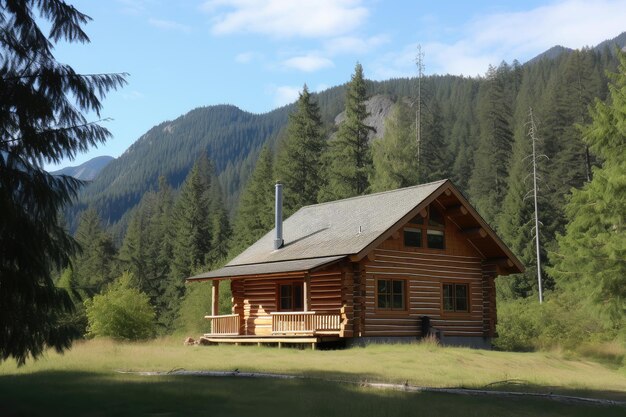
(215, 296)
(307, 292)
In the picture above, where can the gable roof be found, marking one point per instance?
(350, 227)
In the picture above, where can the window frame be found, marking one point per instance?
(468, 298)
(279, 296)
(425, 227)
(405, 299)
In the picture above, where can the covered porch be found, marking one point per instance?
(291, 302)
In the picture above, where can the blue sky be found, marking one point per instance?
(257, 54)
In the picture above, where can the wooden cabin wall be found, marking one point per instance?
(259, 300)
(424, 271)
(256, 298)
(326, 291)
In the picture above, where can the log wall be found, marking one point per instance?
(425, 270)
(256, 298)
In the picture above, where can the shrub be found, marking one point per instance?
(197, 304)
(121, 312)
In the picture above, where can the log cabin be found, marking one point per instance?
(391, 266)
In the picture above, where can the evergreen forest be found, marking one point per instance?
(192, 193)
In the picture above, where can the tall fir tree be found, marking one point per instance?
(193, 229)
(299, 165)
(591, 256)
(436, 159)
(395, 154)
(255, 216)
(43, 119)
(147, 247)
(349, 160)
(487, 185)
(96, 265)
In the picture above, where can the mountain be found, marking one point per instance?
(551, 54)
(619, 41)
(232, 138)
(86, 171)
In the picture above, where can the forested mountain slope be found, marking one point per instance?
(457, 110)
(86, 171)
(231, 137)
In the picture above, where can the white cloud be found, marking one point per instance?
(247, 57)
(354, 45)
(169, 25)
(284, 94)
(286, 18)
(308, 63)
(132, 95)
(489, 39)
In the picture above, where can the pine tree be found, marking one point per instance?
(395, 154)
(299, 165)
(591, 255)
(95, 267)
(42, 119)
(436, 159)
(349, 159)
(193, 229)
(487, 186)
(255, 216)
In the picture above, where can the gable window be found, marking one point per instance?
(455, 297)
(390, 294)
(426, 232)
(291, 297)
(413, 237)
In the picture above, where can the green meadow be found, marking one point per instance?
(85, 381)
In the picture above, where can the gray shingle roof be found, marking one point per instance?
(267, 268)
(337, 228)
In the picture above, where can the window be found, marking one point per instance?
(413, 237)
(390, 294)
(456, 297)
(291, 297)
(433, 227)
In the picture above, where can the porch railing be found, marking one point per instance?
(304, 322)
(226, 325)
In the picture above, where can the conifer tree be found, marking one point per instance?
(349, 159)
(487, 186)
(395, 154)
(299, 165)
(436, 159)
(43, 107)
(255, 216)
(591, 255)
(95, 267)
(192, 236)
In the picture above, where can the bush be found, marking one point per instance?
(197, 304)
(121, 312)
(562, 321)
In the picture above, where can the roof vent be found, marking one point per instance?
(278, 210)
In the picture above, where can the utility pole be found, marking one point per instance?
(418, 114)
(532, 132)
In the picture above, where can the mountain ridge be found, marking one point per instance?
(87, 171)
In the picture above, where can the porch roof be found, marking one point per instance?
(298, 265)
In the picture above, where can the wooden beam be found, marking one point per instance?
(475, 233)
(423, 213)
(447, 192)
(501, 262)
(215, 297)
(456, 211)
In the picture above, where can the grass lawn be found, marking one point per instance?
(83, 381)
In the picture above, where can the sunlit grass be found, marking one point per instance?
(84, 381)
(417, 364)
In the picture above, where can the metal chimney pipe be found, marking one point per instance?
(278, 210)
